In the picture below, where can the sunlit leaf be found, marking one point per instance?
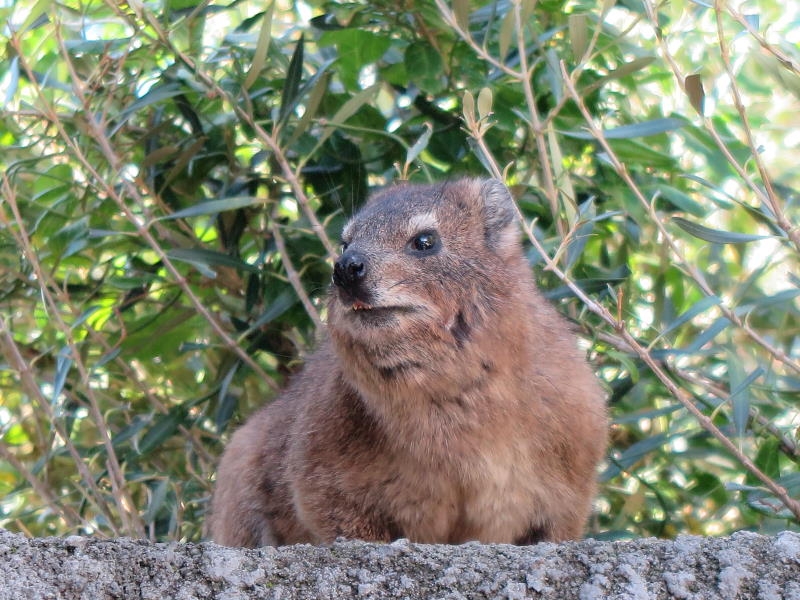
(740, 395)
(578, 34)
(419, 145)
(37, 16)
(213, 207)
(210, 258)
(697, 308)
(348, 109)
(643, 129)
(315, 88)
(262, 46)
(682, 201)
(461, 11)
(484, 103)
(13, 81)
(635, 453)
(507, 30)
(696, 93)
(715, 235)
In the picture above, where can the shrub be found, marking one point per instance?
(176, 175)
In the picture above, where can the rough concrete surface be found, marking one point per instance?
(744, 565)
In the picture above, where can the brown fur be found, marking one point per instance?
(447, 403)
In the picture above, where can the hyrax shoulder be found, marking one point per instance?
(448, 401)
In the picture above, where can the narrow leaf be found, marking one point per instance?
(280, 305)
(752, 20)
(37, 15)
(156, 94)
(252, 293)
(717, 236)
(262, 46)
(484, 102)
(293, 76)
(461, 12)
(352, 106)
(184, 158)
(709, 334)
(740, 393)
(347, 110)
(63, 365)
(578, 35)
(647, 414)
(156, 501)
(696, 93)
(625, 69)
(420, 144)
(131, 430)
(213, 207)
(644, 129)
(635, 453)
(160, 155)
(13, 81)
(698, 308)
(562, 176)
(468, 106)
(633, 66)
(315, 88)
(227, 402)
(784, 297)
(163, 428)
(200, 256)
(681, 200)
(106, 358)
(506, 33)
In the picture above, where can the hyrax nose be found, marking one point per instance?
(349, 270)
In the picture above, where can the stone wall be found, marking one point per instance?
(742, 566)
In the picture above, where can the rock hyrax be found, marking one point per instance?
(447, 401)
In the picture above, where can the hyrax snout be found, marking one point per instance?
(349, 274)
(446, 402)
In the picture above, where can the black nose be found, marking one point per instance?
(349, 270)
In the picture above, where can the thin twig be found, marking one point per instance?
(787, 445)
(693, 271)
(98, 134)
(291, 273)
(545, 160)
(770, 197)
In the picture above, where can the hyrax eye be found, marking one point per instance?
(342, 247)
(425, 241)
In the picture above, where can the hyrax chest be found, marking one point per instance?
(478, 496)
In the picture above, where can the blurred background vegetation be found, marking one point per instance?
(175, 174)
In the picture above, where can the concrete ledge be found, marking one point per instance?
(744, 565)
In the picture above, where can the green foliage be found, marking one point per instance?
(176, 174)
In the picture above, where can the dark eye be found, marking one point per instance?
(342, 247)
(425, 241)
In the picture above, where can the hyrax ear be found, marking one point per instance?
(500, 216)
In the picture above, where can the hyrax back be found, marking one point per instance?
(447, 403)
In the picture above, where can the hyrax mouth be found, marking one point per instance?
(364, 310)
(364, 307)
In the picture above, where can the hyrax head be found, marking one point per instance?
(424, 253)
